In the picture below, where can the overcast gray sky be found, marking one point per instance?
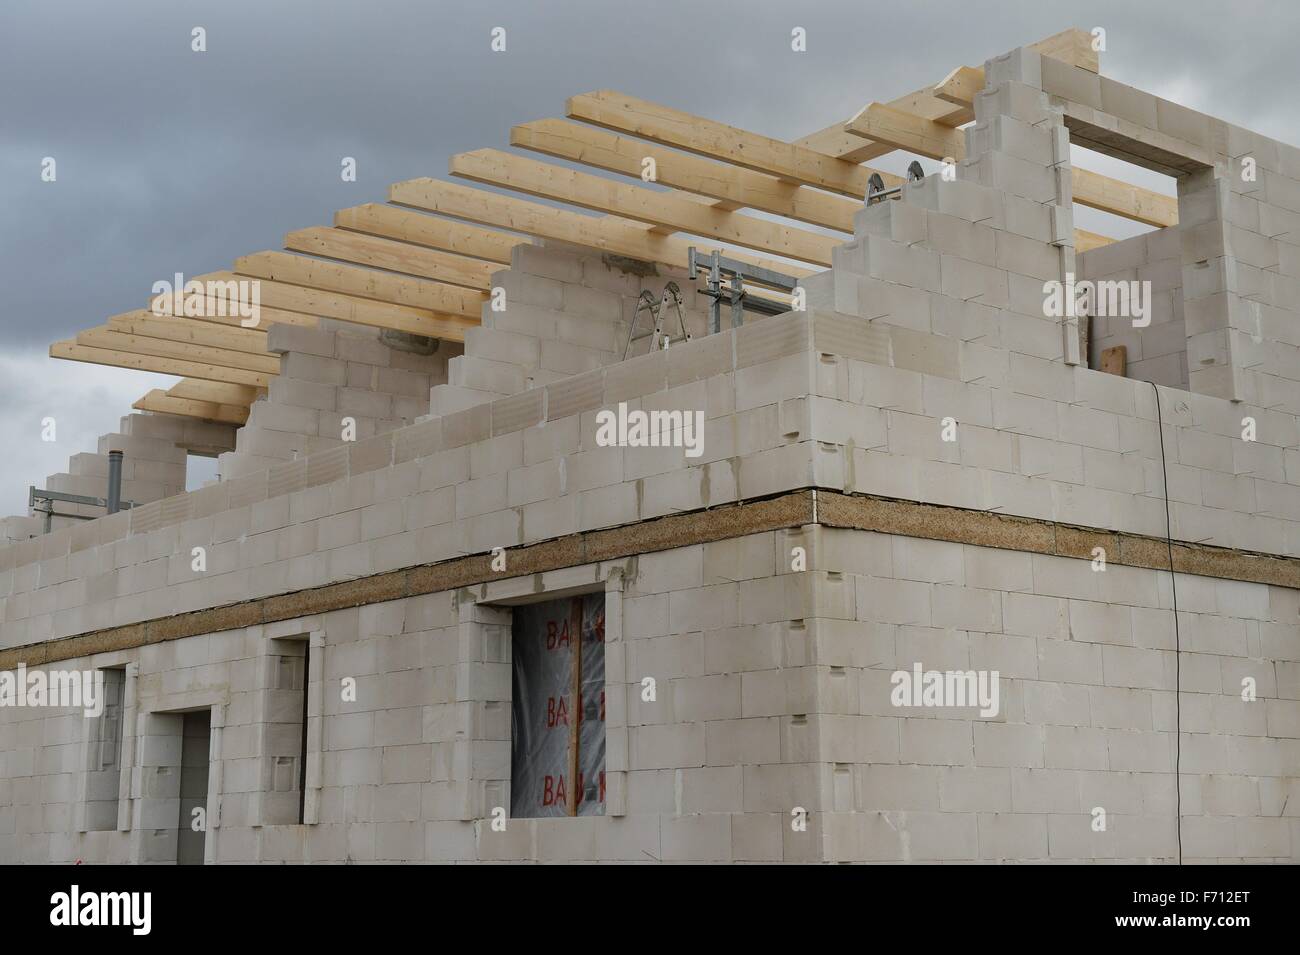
(170, 160)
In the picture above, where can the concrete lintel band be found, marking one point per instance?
(794, 509)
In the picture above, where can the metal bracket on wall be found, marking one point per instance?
(876, 190)
(718, 266)
(111, 504)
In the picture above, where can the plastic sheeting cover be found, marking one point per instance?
(543, 713)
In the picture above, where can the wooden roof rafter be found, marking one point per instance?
(361, 282)
(145, 324)
(924, 137)
(1073, 46)
(113, 339)
(160, 402)
(425, 268)
(213, 391)
(462, 238)
(731, 186)
(392, 256)
(305, 305)
(520, 174)
(72, 351)
(606, 233)
(696, 135)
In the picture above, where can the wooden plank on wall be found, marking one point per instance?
(1114, 360)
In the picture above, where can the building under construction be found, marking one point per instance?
(771, 513)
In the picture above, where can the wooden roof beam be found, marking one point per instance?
(308, 304)
(159, 402)
(1071, 46)
(1096, 191)
(362, 283)
(838, 141)
(670, 209)
(145, 324)
(732, 186)
(214, 392)
(926, 138)
(71, 351)
(961, 85)
(903, 130)
(392, 256)
(200, 308)
(1085, 241)
(671, 127)
(738, 186)
(1074, 46)
(112, 340)
(609, 234)
(445, 235)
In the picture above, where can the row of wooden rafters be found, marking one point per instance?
(395, 266)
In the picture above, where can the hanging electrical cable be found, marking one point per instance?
(1173, 584)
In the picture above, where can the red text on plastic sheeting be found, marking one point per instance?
(553, 791)
(557, 711)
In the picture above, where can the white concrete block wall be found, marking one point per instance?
(558, 311)
(330, 374)
(770, 691)
(20, 527)
(714, 620)
(1157, 352)
(1237, 218)
(773, 694)
(1261, 250)
(155, 448)
(1032, 437)
(1087, 720)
